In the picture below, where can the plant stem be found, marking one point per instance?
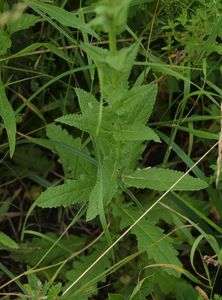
(112, 39)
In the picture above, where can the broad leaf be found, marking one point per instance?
(135, 132)
(137, 104)
(8, 116)
(162, 180)
(72, 192)
(92, 121)
(113, 69)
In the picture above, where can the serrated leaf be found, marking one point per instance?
(6, 241)
(63, 16)
(152, 239)
(8, 116)
(162, 179)
(113, 69)
(89, 121)
(159, 246)
(72, 192)
(135, 132)
(86, 100)
(23, 22)
(5, 42)
(137, 104)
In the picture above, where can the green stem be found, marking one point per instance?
(112, 39)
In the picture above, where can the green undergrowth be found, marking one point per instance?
(110, 149)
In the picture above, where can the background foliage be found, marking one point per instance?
(105, 106)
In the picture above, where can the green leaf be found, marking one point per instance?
(137, 104)
(105, 188)
(23, 22)
(73, 165)
(6, 241)
(8, 116)
(162, 179)
(86, 100)
(200, 133)
(159, 247)
(53, 48)
(72, 192)
(114, 69)
(144, 284)
(135, 132)
(5, 42)
(90, 120)
(109, 13)
(151, 238)
(62, 16)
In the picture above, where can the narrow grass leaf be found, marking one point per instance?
(8, 116)
(62, 16)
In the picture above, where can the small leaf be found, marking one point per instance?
(23, 22)
(108, 13)
(162, 179)
(6, 241)
(72, 192)
(8, 116)
(86, 100)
